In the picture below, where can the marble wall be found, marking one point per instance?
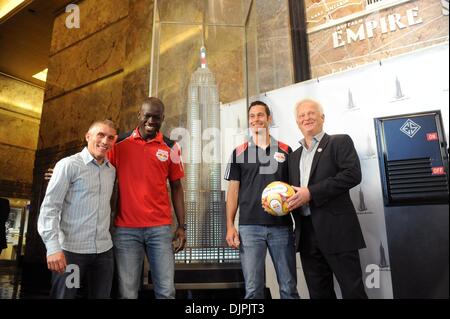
(20, 97)
(274, 47)
(68, 117)
(136, 75)
(93, 18)
(91, 60)
(20, 109)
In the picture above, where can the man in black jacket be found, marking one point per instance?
(328, 234)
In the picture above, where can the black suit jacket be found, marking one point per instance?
(335, 170)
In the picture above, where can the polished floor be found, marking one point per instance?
(11, 284)
(11, 288)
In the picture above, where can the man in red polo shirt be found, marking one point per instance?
(145, 160)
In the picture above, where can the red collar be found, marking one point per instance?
(137, 136)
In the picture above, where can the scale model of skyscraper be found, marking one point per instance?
(205, 200)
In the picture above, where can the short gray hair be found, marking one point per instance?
(104, 122)
(311, 101)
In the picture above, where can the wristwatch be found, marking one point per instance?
(184, 226)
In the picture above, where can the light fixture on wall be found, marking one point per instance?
(42, 76)
(9, 6)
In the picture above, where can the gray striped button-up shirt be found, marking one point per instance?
(305, 165)
(75, 214)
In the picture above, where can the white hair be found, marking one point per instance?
(311, 101)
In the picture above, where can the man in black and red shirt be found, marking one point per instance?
(252, 167)
(145, 160)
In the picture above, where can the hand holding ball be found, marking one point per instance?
(274, 198)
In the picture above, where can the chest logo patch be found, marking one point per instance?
(162, 155)
(279, 157)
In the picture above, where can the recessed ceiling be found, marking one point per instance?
(25, 39)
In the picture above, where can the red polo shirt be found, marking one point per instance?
(143, 169)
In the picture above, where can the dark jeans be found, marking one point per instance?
(319, 268)
(98, 269)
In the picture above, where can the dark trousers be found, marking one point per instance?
(97, 269)
(319, 268)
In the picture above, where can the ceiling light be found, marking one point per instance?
(42, 76)
(7, 6)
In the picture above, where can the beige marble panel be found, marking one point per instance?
(16, 164)
(227, 12)
(273, 18)
(231, 12)
(137, 61)
(226, 60)
(139, 35)
(67, 118)
(181, 10)
(433, 30)
(20, 97)
(275, 62)
(135, 88)
(251, 59)
(128, 120)
(96, 57)
(18, 130)
(176, 65)
(94, 15)
(275, 69)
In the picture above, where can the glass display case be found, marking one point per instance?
(200, 62)
(181, 29)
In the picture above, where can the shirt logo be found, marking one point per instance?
(162, 155)
(279, 157)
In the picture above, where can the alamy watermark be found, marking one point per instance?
(73, 279)
(373, 278)
(73, 19)
(206, 148)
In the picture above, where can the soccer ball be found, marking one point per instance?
(274, 197)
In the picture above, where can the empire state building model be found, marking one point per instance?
(205, 201)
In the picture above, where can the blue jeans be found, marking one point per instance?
(130, 246)
(255, 239)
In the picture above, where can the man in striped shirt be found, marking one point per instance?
(74, 218)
